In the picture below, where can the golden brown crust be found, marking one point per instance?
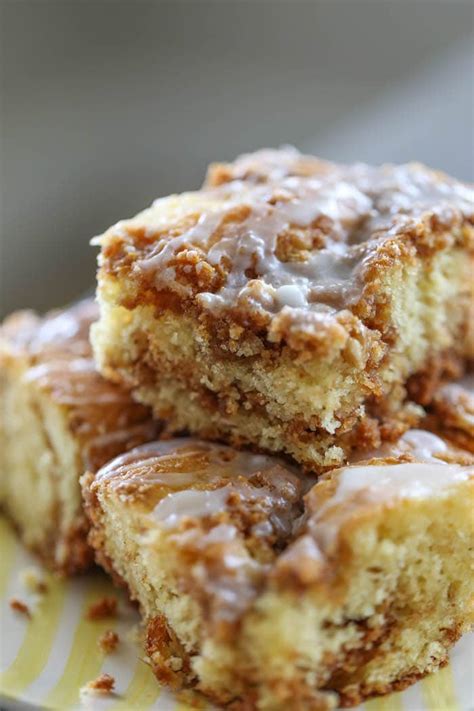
(168, 659)
(96, 535)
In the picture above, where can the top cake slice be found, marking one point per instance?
(291, 303)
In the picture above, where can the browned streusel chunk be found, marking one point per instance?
(266, 597)
(104, 684)
(20, 606)
(291, 302)
(58, 416)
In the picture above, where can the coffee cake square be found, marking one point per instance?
(291, 304)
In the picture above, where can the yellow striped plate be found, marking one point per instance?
(46, 659)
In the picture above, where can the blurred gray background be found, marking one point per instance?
(107, 104)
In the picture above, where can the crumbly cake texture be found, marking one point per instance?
(266, 591)
(291, 302)
(58, 417)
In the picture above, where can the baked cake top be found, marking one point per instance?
(190, 478)
(230, 510)
(419, 467)
(57, 354)
(61, 333)
(238, 519)
(278, 238)
(53, 353)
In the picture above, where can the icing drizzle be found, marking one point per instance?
(347, 211)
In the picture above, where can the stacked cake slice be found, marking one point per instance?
(58, 417)
(276, 361)
(267, 598)
(291, 304)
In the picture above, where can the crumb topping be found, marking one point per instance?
(60, 333)
(232, 521)
(277, 234)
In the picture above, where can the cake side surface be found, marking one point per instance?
(58, 418)
(293, 304)
(452, 412)
(356, 588)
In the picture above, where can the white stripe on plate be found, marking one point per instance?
(13, 624)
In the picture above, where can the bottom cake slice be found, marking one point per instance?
(266, 591)
(58, 416)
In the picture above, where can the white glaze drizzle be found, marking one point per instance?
(424, 446)
(420, 444)
(411, 480)
(199, 480)
(76, 382)
(383, 483)
(465, 385)
(191, 502)
(326, 275)
(362, 205)
(209, 473)
(65, 326)
(217, 461)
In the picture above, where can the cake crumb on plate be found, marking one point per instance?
(103, 608)
(109, 641)
(20, 606)
(103, 684)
